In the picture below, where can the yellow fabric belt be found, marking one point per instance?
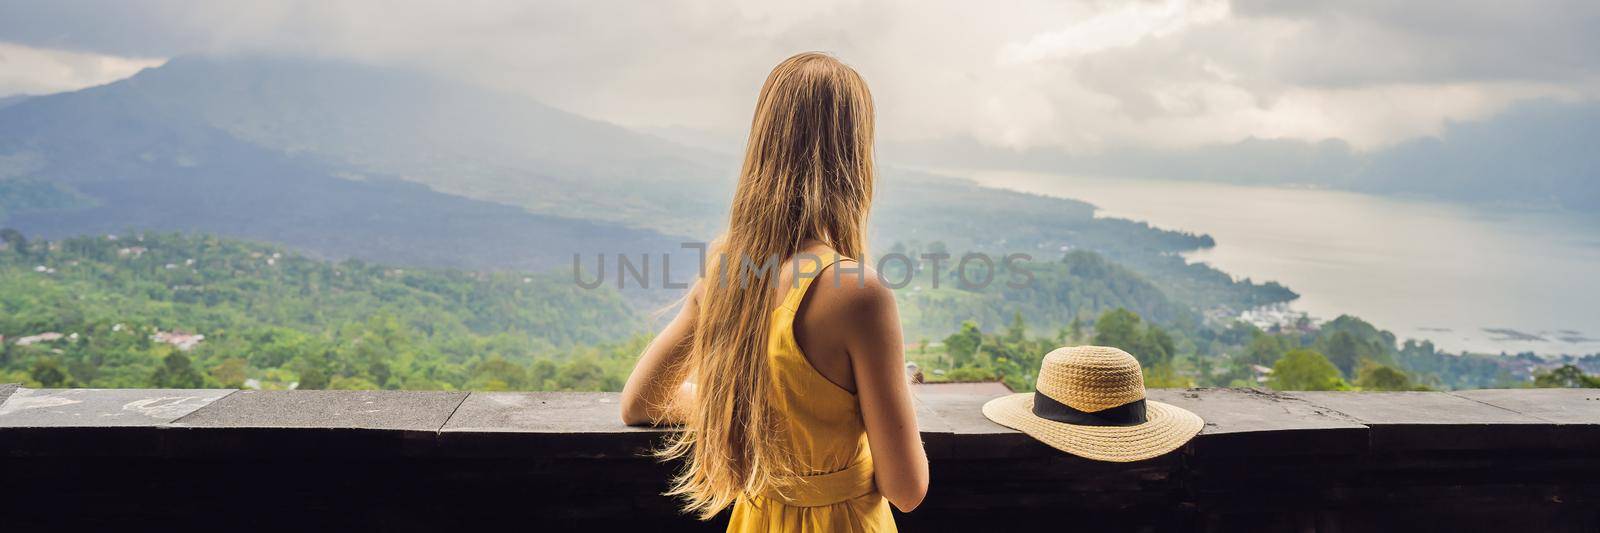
(827, 489)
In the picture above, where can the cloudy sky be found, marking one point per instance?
(1077, 76)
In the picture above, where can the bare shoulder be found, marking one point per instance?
(853, 297)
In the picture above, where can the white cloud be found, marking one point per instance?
(1116, 27)
(27, 70)
(1081, 75)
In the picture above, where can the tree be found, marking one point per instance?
(1344, 352)
(14, 240)
(1163, 376)
(1121, 328)
(496, 373)
(1117, 328)
(970, 373)
(231, 373)
(1379, 377)
(1265, 349)
(1567, 376)
(1303, 369)
(963, 345)
(177, 372)
(352, 383)
(312, 378)
(582, 375)
(1160, 344)
(542, 373)
(1018, 329)
(380, 372)
(47, 371)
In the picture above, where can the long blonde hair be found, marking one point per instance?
(807, 174)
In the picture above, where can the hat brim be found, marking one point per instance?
(1166, 428)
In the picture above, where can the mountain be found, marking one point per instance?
(453, 137)
(1540, 152)
(7, 101)
(1534, 153)
(147, 153)
(347, 160)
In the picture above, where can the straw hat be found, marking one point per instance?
(1089, 401)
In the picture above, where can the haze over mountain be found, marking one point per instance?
(6, 101)
(203, 145)
(1537, 153)
(346, 160)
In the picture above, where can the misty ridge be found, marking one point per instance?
(1537, 153)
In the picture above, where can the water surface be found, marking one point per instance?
(1466, 277)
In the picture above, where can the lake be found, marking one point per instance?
(1465, 277)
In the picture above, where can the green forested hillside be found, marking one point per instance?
(1080, 286)
(1346, 353)
(173, 310)
(280, 318)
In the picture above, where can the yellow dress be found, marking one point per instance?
(824, 428)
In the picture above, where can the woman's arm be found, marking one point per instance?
(657, 385)
(872, 337)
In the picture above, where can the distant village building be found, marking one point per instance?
(1279, 317)
(50, 336)
(1262, 373)
(134, 251)
(183, 341)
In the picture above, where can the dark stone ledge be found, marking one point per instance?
(1477, 460)
(1400, 421)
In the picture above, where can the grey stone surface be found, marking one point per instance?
(41, 408)
(540, 412)
(1252, 422)
(545, 424)
(1413, 408)
(1402, 421)
(1562, 406)
(6, 389)
(1248, 410)
(928, 420)
(386, 410)
(959, 414)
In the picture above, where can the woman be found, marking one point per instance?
(784, 365)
